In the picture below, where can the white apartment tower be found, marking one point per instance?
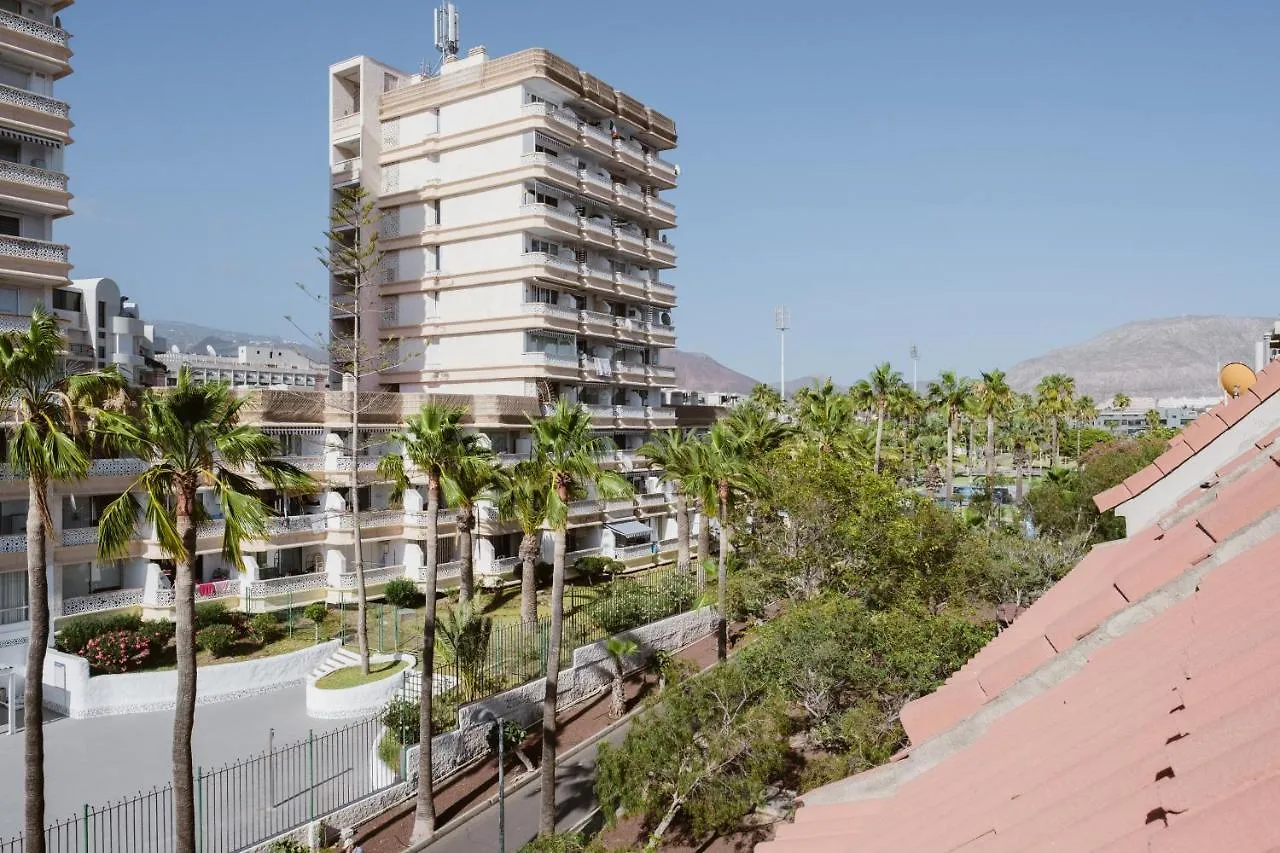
(524, 232)
(34, 128)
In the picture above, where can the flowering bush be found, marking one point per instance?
(117, 651)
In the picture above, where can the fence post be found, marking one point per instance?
(395, 629)
(382, 628)
(86, 828)
(200, 809)
(311, 772)
(289, 602)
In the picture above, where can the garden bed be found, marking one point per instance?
(351, 676)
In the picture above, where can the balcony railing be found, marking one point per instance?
(589, 177)
(544, 310)
(80, 535)
(660, 249)
(629, 411)
(595, 227)
(662, 371)
(97, 602)
(30, 100)
(549, 210)
(14, 543)
(347, 169)
(586, 507)
(217, 589)
(292, 583)
(551, 261)
(627, 278)
(597, 134)
(362, 463)
(35, 29)
(558, 164)
(347, 580)
(443, 516)
(551, 359)
(626, 552)
(571, 557)
(660, 168)
(347, 123)
(626, 192)
(629, 240)
(35, 250)
(126, 467)
(506, 563)
(662, 289)
(32, 176)
(315, 522)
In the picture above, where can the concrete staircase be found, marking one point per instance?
(343, 657)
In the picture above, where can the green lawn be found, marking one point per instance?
(351, 676)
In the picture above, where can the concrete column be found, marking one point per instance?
(335, 564)
(248, 574)
(334, 508)
(413, 560)
(414, 501)
(155, 582)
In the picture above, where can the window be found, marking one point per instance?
(546, 248)
(13, 597)
(10, 150)
(102, 314)
(102, 352)
(66, 300)
(536, 99)
(543, 149)
(543, 198)
(446, 549)
(545, 295)
(10, 225)
(14, 6)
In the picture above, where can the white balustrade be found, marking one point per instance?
(97, 602)
(212, 527)
(35, 29)
(629, 551)
(544, 310)
(35, 250)
(451, 569)
(347, 123)
(127, 467)
(31, 101)
(506, 563)
(14, 543)
(292, 583)
(347, 580)
(217, 589)
(585, 507)
(80, 535)
(32, 176)
(292, 524)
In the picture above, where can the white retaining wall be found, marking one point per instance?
(364, 700)
(70, 690)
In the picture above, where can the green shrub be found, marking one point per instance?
(541, 572)
(316, 611)
(217, 640)
(158, 633)
(401, 718)
(264, 627)
(76, 634)
(595, 568)
(630, 604)
(287, 845)
(117, 651)
(565, 842)
(208, 615)
(402, 592)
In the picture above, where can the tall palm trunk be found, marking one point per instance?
(528, 580)
(467, 573)
(991, 452)
(424, 818)
(704, 548)
(951, 457)
(1019, 464)
(184, 712)
(357, 549)
(682, 530)
(968, 455)
(547, 819)
(879, 433)
(37, 647)
(722, 577)
(1053, 439)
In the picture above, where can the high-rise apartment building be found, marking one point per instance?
(34, 129)
(523, 228)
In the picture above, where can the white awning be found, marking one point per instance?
(630, 529)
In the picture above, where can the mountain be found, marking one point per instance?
(696, 371)
(190, 337)
(1169, 357)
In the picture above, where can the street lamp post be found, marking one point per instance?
(782, 320)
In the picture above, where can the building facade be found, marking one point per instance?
(34, 129)
(253, 366)
(104, 327)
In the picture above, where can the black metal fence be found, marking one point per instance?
(237, 805)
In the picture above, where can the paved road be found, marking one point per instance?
(575, 797)
(101, 760)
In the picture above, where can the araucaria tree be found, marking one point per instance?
(192, 439)
(567, 451)
(50, 409)
(435, 444)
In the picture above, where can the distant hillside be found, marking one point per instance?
(697, 371)
(1169, 357)
(190, 337)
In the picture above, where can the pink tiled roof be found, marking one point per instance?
(1194, 438)
(1158, 730)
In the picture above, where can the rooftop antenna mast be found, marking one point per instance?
(782, 321)
(915, 371)
(447, 31)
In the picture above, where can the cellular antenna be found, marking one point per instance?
(447, 31)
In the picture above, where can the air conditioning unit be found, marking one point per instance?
(665, 318)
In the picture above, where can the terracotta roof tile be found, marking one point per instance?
(1238, 408)
(1203, 430)
(1241, 460)
(1065, 632)
(1240, 822)
(1143, 480)
(940, 710)
(1248, 499)
(1173, 457)
(1112, 497)
(1266, 441)
(997, 676)
(1268, 382)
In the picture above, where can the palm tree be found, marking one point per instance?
(994, 398)
(435, 444)
(465, 634)
(1084, 411)
(1053, 395)
(670, 451)
(1022, 434)
(1120, 400)
(730, 456)
(768, 397)
(51, 410)
(880, 388)
(523, 499)
(192, 438)
(1154, 419)
(619, 648)
(951, 393)
(825, 418)
(480, 478)
(568, 452)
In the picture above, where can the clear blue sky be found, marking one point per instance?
(986, 179)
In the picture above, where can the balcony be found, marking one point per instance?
(630, 371)
(559, 223)
(345, 126)
(14, 543)
(346, 171)
(660, 211)
(630, 243)
(661, 293)
(596, 233)
(586, 507)
(552, 316)
(629, 552)
(597, 279)
(551, 360)
(100, 602)
(628, 199)
(630, 154)
(597, 324)
(33, 262)
(660, 252)
(630, 413)
(596, 140)
(554, 266)
(663, 374)
(597, 187)
(79, 535)
(660, 335)
(40, 114)
(40, 187)
(660, 170)
(660, 417)
(557, 166)
(630, 284)
(34, 29)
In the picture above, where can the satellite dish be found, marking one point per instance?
(1236, 378)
